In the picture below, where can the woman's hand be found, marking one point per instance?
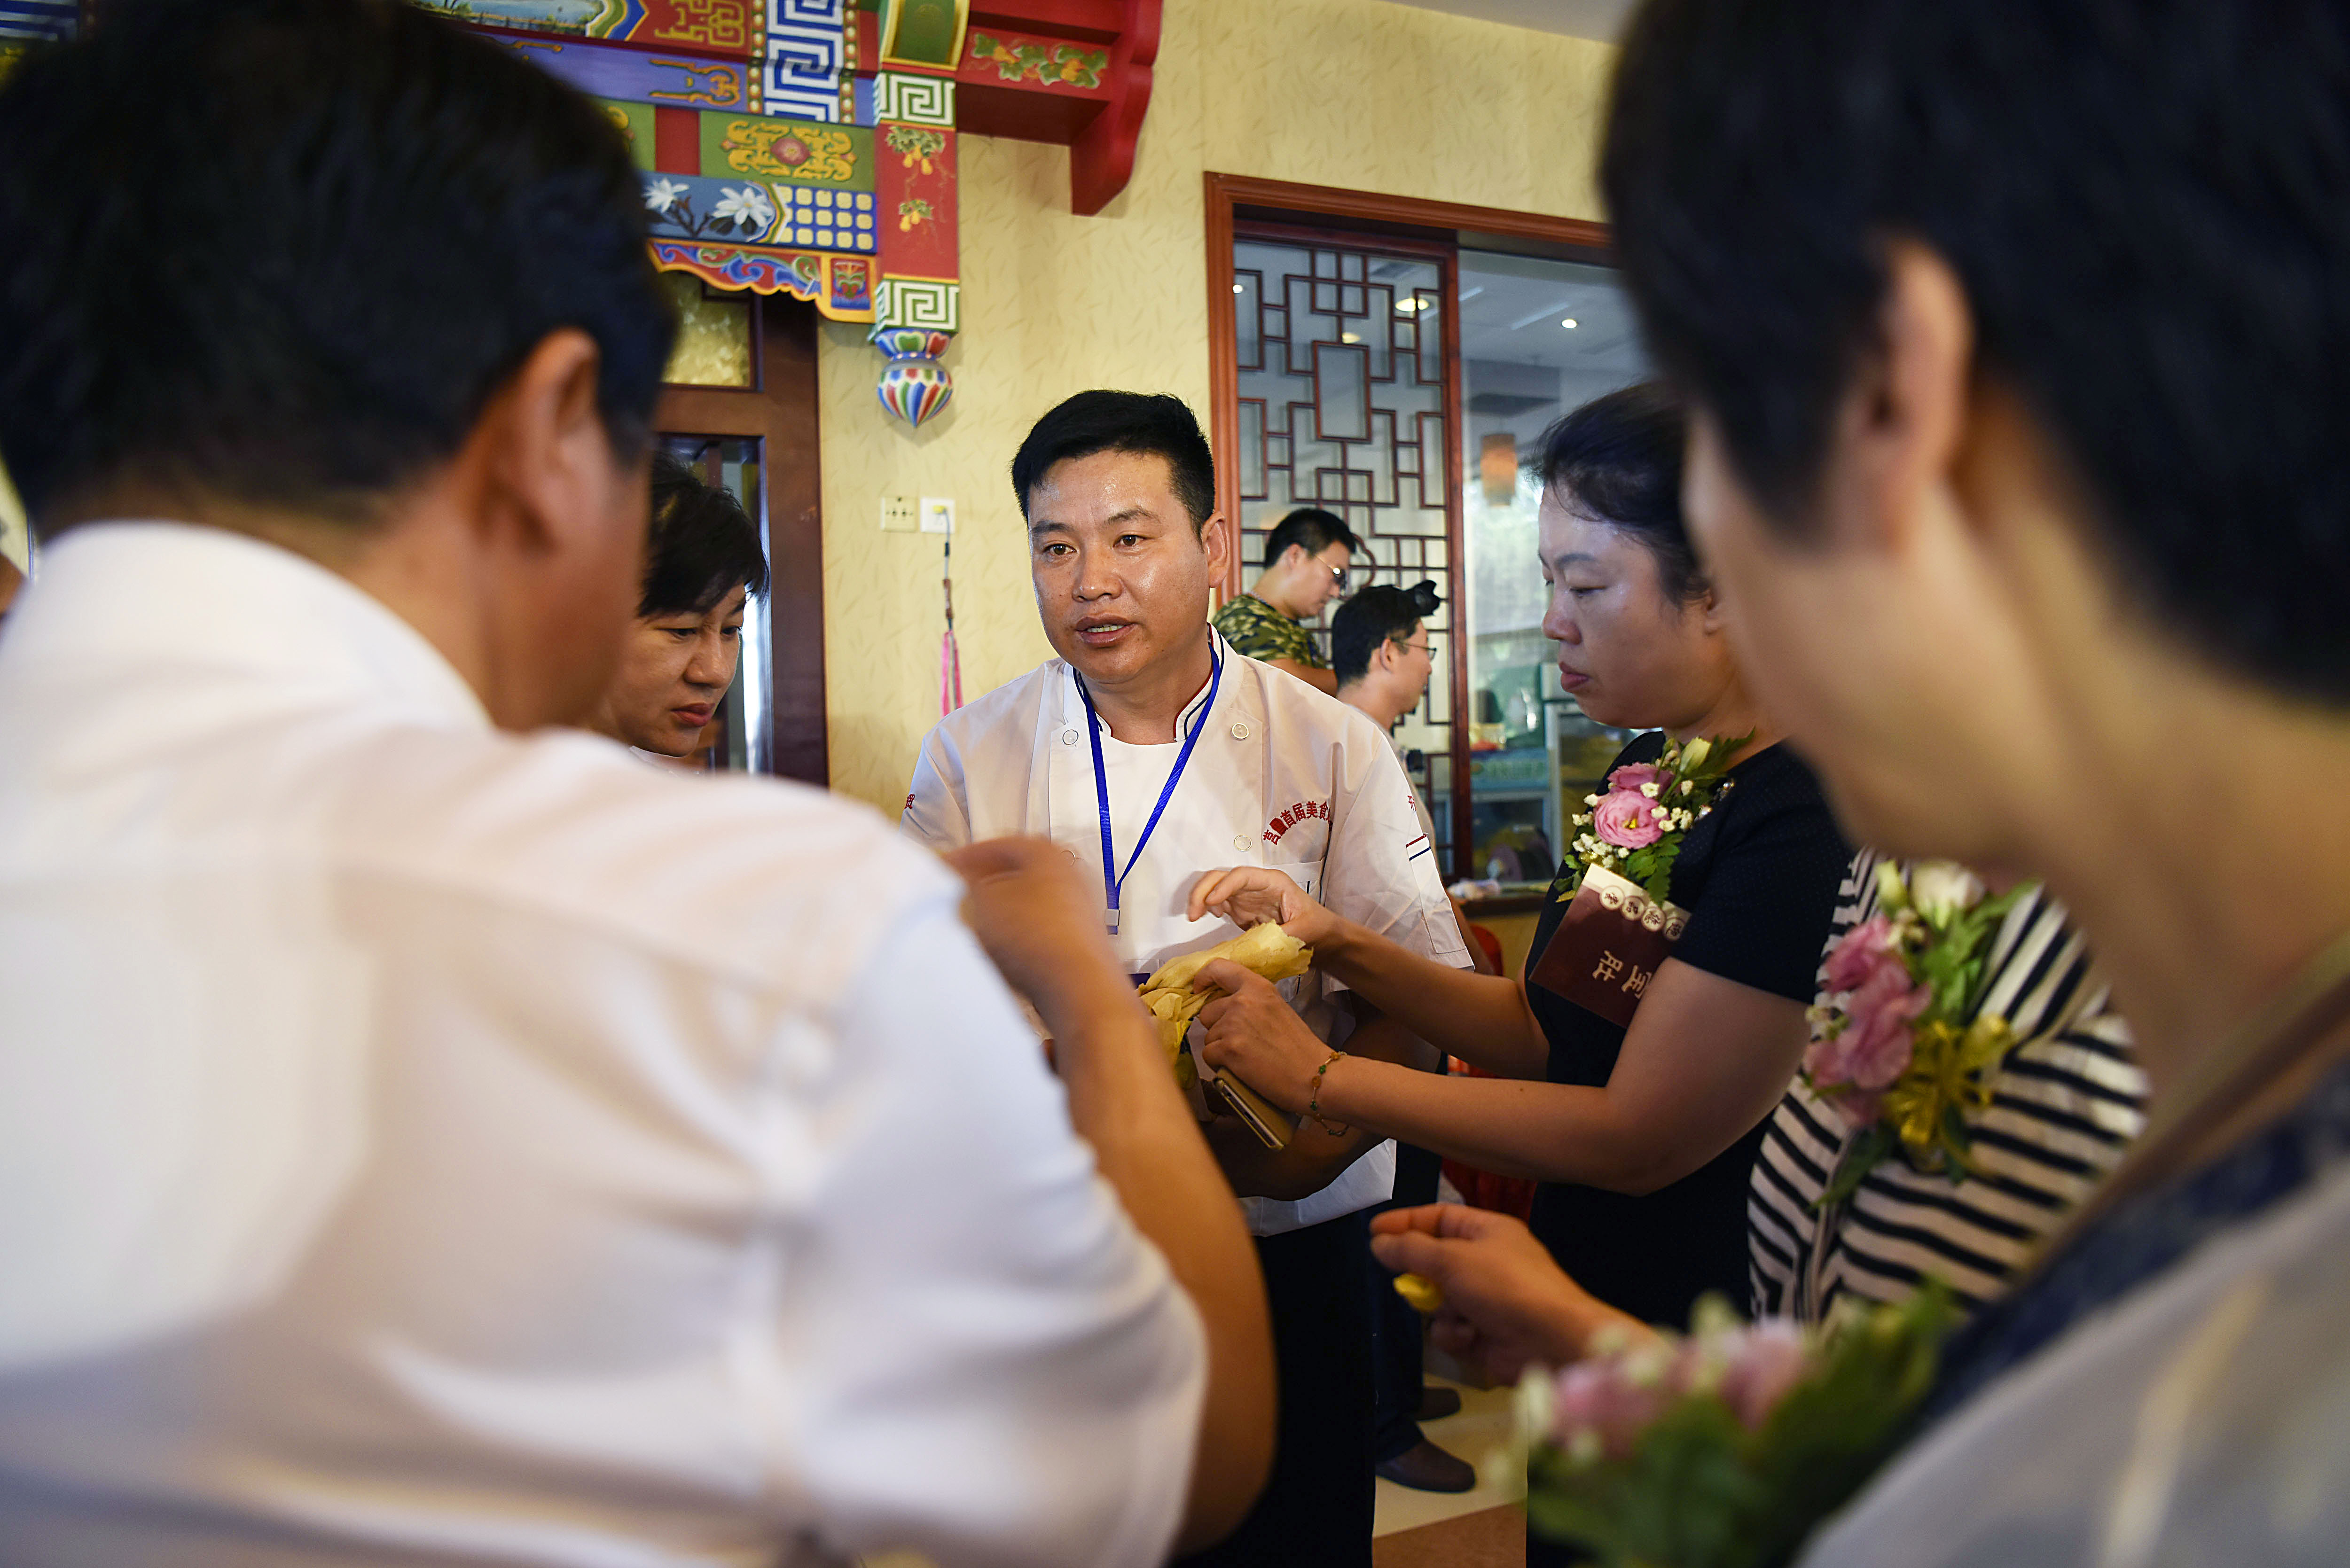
(1248, 896)
(1506, 1304)
(1253, 1035)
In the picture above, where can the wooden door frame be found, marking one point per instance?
(779, 410)
(1233, 200)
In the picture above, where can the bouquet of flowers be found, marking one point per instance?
(1903, 1049)
(1724, 1449)
(1637, 827)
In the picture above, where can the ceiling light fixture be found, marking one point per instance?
(1568, 323)
(1240, 288)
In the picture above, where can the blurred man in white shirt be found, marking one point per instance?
(1152, 752)
(430, 1138)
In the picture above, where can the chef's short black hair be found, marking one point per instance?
(2146, 203)
(284, 250)
(702, 545)
(1152, 422)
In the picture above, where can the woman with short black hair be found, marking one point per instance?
(703, 564)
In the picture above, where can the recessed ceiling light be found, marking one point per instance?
(1568, 323)
(1348, 338)
(1240, 288)
(1407, 305)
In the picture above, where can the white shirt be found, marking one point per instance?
(421, 1144)
(1283, 777)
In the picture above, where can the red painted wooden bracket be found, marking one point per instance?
(1102, 159)
(1100, 125)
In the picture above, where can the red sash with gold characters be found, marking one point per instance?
(1608, 947)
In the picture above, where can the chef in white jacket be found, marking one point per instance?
(1152, 752)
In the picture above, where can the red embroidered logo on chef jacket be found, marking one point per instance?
(1304, 811)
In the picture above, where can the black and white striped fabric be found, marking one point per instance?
(2066, 1105)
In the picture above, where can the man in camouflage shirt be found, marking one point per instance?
(1306, 562)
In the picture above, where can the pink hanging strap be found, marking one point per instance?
(950, 657)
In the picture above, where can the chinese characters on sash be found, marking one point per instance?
(1607, 946)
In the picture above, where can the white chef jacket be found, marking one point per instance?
(1283, 777)
(427, 1145)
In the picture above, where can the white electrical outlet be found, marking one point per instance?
(938, 515)
(898, 516)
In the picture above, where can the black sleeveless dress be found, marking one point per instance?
(1759, 875)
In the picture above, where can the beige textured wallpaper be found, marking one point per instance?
(1358, 94)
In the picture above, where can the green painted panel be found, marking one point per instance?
(636, 123)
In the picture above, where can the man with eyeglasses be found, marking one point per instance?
(1305, 561)
(1383, 656)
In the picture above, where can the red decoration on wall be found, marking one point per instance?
(1102, 160)
(1034, 70)
(914, 171)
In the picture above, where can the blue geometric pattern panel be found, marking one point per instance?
(806, 58)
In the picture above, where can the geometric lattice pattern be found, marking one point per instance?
(913, 101)
(806, 58)
(931, 303)
(828, 220)
(1341, 364)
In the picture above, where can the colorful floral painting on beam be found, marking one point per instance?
(916, 143)
(1057, 65)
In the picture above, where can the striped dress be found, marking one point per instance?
(2067, 1103)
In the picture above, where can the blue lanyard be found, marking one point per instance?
(1113, 883)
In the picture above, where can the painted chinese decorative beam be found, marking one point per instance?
(735, 28)
(1072, 72)
(794, 52)
(771, 162)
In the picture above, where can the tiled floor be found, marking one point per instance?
(1476, 1434)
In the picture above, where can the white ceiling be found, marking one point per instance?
(1600, 19)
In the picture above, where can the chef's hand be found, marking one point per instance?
(1248, 896)
(1254, 1035)
(1506, 1304)
(1041, 924)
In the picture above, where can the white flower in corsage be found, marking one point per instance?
(1903, 1049)
(1635, 828)
(1727, 1447)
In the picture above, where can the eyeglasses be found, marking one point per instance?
(1338, 575)
(1428, 647)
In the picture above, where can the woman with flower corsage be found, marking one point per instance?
(1968, 1083)
(1641, 1120)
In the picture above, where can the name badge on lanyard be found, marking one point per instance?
(1114, 880)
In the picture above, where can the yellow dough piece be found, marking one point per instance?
(1420, 1293)
(1267, 951)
